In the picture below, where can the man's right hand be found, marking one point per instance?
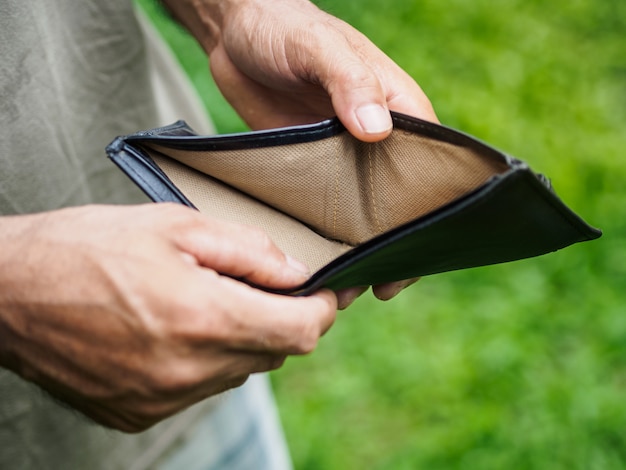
(127, 313)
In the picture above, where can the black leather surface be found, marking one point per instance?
(509, 218)
(513, 216)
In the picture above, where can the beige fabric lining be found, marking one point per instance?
(341, 188)
(216, 199)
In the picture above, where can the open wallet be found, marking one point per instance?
(425, 200)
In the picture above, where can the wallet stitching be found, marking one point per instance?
(314, 133)
(336, 199)
(371, 171)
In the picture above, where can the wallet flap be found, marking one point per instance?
(345, 189)
(512, 217)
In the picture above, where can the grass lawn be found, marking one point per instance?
(516, 366)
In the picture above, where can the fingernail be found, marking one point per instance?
(298, 266)
(374, 119)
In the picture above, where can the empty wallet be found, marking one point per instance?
(425, 200)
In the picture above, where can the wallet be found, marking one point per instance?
(425, 200)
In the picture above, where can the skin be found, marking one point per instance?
(134, 323)
(142, 318)
(286, 62)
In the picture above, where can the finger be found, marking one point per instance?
(235, 371)
(365, 84)
(139, 413)
(264, 106)
(240, 363)
(240, 251)
(389, 291)
(252, 320)
(234, 363)
(357, 96)
(249, 98)
(404, 95)
(365, 91)
(345, 297)
(227, 385)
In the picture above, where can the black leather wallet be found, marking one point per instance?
(426, 200)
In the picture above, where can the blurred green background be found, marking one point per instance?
(520, 365)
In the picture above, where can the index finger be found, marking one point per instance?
(270, 323)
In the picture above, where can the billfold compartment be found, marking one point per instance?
(427, 199)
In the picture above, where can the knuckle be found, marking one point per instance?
(307, 338)
(277, 362)
(191, 322)
(269, 362)
(173, 207)
(180, 378)
(169, 209)
(229, 384)
(238, 382)
(150, 416)
(261, 239)
(356, 75)
(171, 376)
(141, 419)
(178, 216)
(138, 426)
(185, 312)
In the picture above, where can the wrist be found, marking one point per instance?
(204, 19)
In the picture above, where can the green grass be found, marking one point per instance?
(520, 365)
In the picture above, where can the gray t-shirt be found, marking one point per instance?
(72, 76)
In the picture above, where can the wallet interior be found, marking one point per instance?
(318, 199)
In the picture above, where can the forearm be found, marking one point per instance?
(13, 233)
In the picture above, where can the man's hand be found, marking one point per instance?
(286, 62)
(121, 312)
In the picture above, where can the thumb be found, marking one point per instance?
(364, 84)
(359, 100)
